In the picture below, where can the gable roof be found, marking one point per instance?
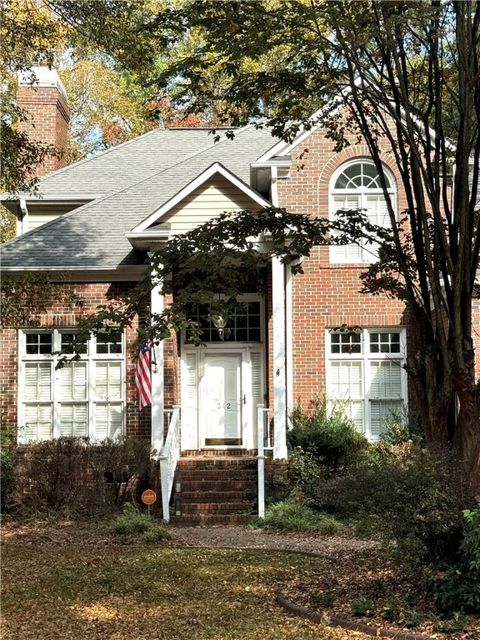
(215, 168)
(94, 235)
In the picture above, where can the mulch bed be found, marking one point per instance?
(372, 586)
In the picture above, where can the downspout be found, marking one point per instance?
(22, 226)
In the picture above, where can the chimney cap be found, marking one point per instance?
(37, 77)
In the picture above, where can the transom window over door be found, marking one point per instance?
(356, 185)
(365, 374)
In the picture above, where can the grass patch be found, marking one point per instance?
(293, 515)
(132, 523)
(87, 588)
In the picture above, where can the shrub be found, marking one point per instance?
(362, 607)
(459, 588)
(295, 515)
(7, 463)
(407, 494)
(326, 434)
(74, 474)
(304, 472)
(133, 523)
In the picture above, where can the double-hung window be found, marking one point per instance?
(83, 398)
(365, 375)
(356, 185)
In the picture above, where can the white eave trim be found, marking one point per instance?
(215, 168)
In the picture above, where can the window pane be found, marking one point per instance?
(109, 343)
(37, 343)
(108, 380)
(68, 344)
(385, 342)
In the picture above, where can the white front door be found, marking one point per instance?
(221, 400)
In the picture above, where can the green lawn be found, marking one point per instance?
(87, 587)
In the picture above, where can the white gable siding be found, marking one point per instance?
(208, 201)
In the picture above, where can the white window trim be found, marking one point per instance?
(365, 357)
(368, 253)
(90, 357)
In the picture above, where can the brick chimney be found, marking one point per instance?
(46, 102)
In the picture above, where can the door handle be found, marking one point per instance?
(244, 398)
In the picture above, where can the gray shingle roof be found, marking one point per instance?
(93, 236)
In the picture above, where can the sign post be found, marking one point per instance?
(149, 497)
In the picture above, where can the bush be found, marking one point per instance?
(459, 588)
(407, 494)
(76, 475)
(295, 515)
(7, 463)
(327, 435)
(133, 523)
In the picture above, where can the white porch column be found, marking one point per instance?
(279, 353)
(156, 306)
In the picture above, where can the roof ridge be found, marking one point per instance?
(115, 193)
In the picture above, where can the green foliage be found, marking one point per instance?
(74, 474)
(7, 462)
(407, 494)
(133, 523)
(23, 299)
(326, 435)
(293, 514)
(459, 587)
(362, 607)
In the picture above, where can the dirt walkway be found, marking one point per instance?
(244, 537)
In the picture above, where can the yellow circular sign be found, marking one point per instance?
(149, 497)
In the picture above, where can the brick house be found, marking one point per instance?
(91, 228)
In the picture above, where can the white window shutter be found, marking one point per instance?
(256, 361)
(346, 387)
(380, 412)
(73, 382)
(38, 381)
(38, 422)
(347, 253)
(101, 421)
(190, 402)
(385, 379)
(73, 420)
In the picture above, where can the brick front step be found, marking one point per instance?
(217, 496)
(217, 485)
(206, 519)
(225, 475)
(215, 507)
(214, 463)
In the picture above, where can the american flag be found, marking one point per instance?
(143, 376)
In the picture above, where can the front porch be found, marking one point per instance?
(217, 484)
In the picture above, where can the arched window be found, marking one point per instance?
(356, 185)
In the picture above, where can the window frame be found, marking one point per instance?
(368, 254)
(365, 357)
(90, 357)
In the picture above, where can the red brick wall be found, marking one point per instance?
(326, 295)
(48, 123)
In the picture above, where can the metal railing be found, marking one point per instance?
(169, 456)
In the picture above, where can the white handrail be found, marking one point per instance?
(169, 457)
(261, 459)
